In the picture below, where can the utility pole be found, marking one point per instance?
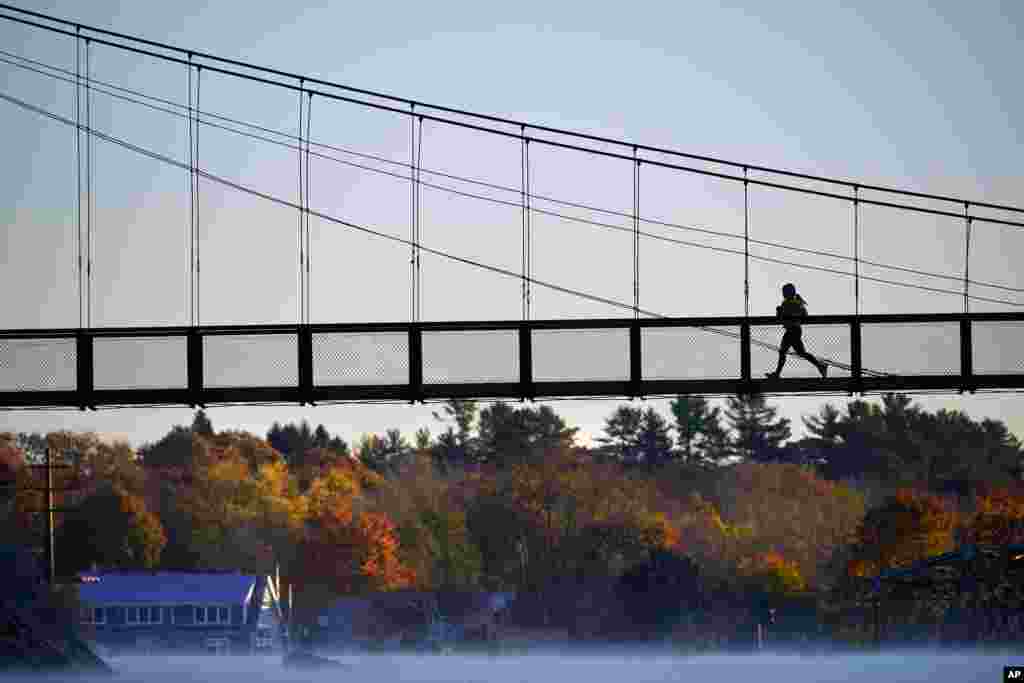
(878, 624)
(49, 544)
(50, 559)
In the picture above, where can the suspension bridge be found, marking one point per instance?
(641, 353)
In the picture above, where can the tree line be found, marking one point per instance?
(711, 505)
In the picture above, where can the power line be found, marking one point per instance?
(459, 259)
(549, 142)
(457, 111)
(716, 233)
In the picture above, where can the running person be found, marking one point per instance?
(792, 309)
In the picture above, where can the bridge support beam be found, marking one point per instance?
(84, 379)
(746, 383)
(194, 360)
(305, 347)
(527, 389)
(415, 364)
(35, 372)
(856, 359)
(966, 357)
(636, 371)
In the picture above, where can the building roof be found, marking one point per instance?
(167, 587)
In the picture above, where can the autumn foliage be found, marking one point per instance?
(773, 573)
(908, 527)
(998, 519)
(508, 502)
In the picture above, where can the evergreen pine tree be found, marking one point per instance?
(759, 432)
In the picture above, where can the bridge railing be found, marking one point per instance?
(504, 359)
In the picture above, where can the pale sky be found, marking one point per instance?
(920, 95)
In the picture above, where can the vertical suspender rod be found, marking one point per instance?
(419, 218)
(529, 238)
(199, 300)
(636, 235)
(522, 198)
(746, 244)
(302, 204)
(309, 254)
(412, 212)
(856, 251)
(88, 190)
(191, 207)
(78, 169)
(967, 254)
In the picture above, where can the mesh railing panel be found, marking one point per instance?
(998, 347)
(140, 363)
(37, 364)
(250, 360)
(360, 358)
(690, 352)
(911, 348)
(471, 356)
(830, 343)
(577, 355)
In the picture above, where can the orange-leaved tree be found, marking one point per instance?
(908, 527)
(351, 554)
(793, 510)
(770, 572)
(998, 518)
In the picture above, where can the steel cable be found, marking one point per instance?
(689, 228)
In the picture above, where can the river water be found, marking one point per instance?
(592, 668)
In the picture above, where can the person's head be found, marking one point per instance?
(788, 290)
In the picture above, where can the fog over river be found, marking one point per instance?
(905, 667)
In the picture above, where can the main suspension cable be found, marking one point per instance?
(562, 145)
(616, 227)
(834, 271)
(459, 259)
(651, 221)
(450, 110)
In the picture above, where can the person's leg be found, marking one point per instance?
(798, 346)
(787, 342)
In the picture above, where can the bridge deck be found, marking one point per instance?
(504, 359)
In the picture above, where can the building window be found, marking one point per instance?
(94, 615)
(213, 614)
(145, 614)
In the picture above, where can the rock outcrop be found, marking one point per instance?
(307, 661)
